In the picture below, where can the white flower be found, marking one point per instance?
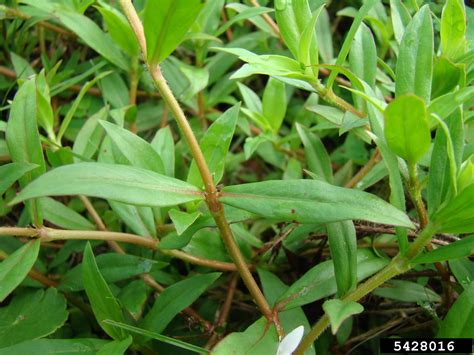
(290, 341)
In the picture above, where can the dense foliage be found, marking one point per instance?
(187, 176)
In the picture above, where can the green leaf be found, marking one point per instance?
(176, 298)
(274, 103)
(457, 216)
(22, 68)
(32, 315)
(415, 60)
(343, 245)
(446, 156)
(70, 114)
(444, 105)
(463, 247)
(139, 219)
(308, 46)
(116, 182)
(272, 65)
(363, 56)
(460, 318)
(466, 175)
(23, 139)
(320, 281)
(104, 304)
(166, 23)
(292, 17)
(311, 201)
(338, 311)
(400, 18)
(15, 267)
(315, 153)
(346, 46)
(156, 336)
(406, 128)
(245, 14)
(463, 270)
(88, 139)
(259, 338)
(63, 216)
(163, 144)
(113, 268)
(119, 28)
(453, 29)
(446, 77)
(215, 145)
(89, 32)
(406, 291)
(116, 347)
(137, 151)
(183, 220)
(12, 172)
(82, 346)
(45, 110)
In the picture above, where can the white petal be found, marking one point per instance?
(290, 341)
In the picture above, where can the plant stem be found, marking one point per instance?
(364, 170)
(211, 193)
(397, 266)
(415, 192)
(49, 234)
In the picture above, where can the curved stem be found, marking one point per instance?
(211, 193)
(397, 266)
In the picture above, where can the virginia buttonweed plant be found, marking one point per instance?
(211, 176)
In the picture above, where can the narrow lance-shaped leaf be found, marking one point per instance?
(137, 151)
(23, 139)
(453, 29)
(274, 103)
(176, 298)
(119, 28)
(415, 60)
(316, 155)
(458, 322)
(406, 128)
(159, 337)
(163, 144)
(311, 201)
(442, 177)
(457, 216)
(363, 59)
(15, 267)
(363, 11)
(165, 23)
(215, 145)
(343, 243)
(456, 250)
(319, 281)
(115, 182)
(104, 304)
(12, 172)
(400, 18)
(88, 31)
(308, 46)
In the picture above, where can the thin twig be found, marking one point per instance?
(364, 170)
